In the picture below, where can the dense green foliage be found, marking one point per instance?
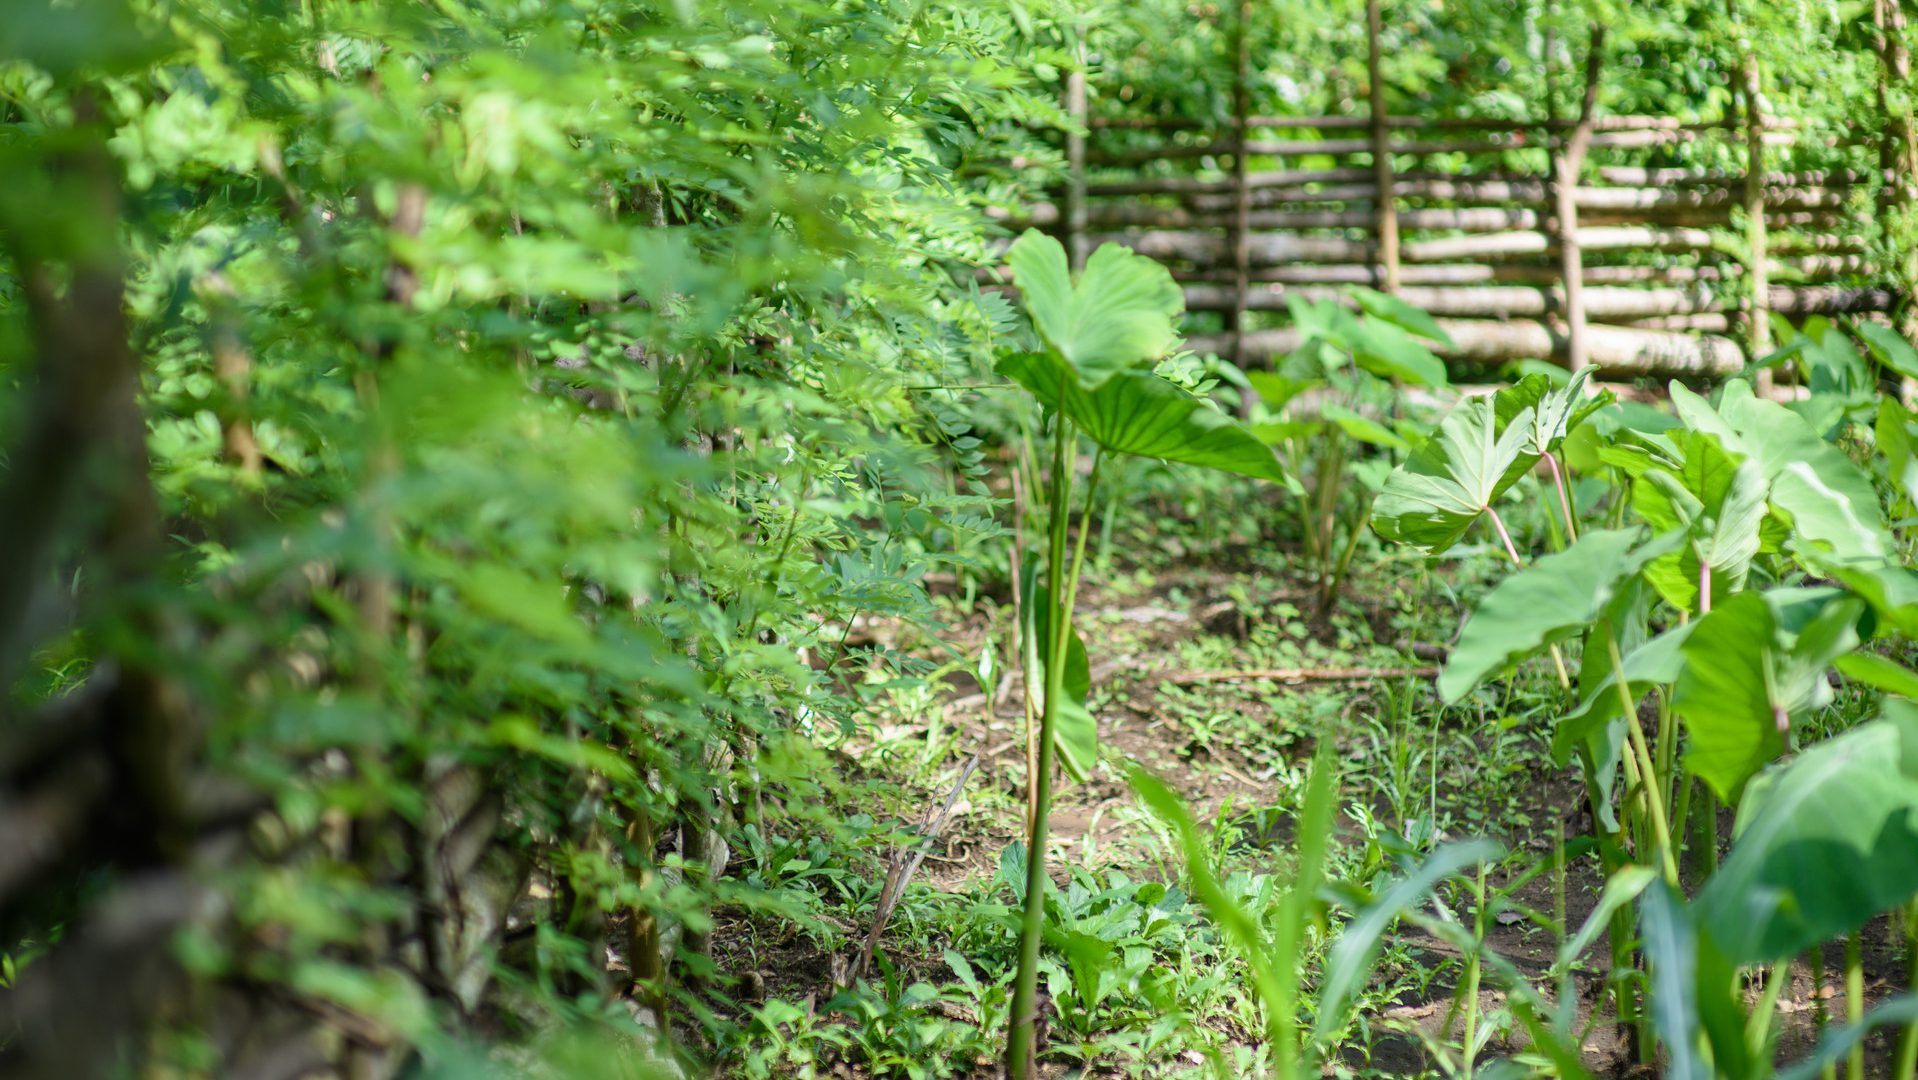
(498, 499)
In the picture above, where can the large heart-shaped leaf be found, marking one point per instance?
(1120, 313)
(1555, 410)
(1137, 412)
(1752, 666)
(1718, 500)
(1822, 844)
(1829, 502)
(1553, 599)
(1453, 477)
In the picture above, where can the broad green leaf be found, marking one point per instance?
(1752, 666)
(1833, 368)
(1879, 672)
(1823, 513)
(1822, 843)
(1555, 410)
(1452, 478)
(1553, 599)
(1363, 428)
(1829, 502)
(1137, 412)
(1888, 347)
(1691, 991)
(1891, 590)
(1671, 946)
(1892, 431)
(1399, 313)
(1718, 499)
(1275, 389)
(1658, 662)
(1120, 313)
(1387, 351)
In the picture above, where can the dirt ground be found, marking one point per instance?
(1135, 639)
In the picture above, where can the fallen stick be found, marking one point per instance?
(1303, 675)
(903, 867)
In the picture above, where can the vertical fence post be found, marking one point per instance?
(1757, 254)
(1076, 153)
(1898, 150)
(1567, 161)
(1241, 232)
(1386, 224)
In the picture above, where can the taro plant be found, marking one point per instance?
(1336, 392)
(1712, 611)
(1097, 335)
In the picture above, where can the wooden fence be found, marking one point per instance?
(1580, 250)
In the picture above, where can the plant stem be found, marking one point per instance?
(1681, 823)
(1649, 778)
(1822, 1018)
(1564, 497)
(1023, 1022)
(1470, 1049)
(1855, 1002)
(1511, 550)
(1558, 879)
(1907, 1065)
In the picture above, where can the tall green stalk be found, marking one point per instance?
(1062, 588)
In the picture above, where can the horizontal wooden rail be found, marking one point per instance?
(1617, 351)
(1606, 303)
(1441, 123)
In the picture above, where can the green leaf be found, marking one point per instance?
(1691, 990)
(1658, 662)
(1892, 592)
(1387, 351)
(1452, 478)
(1555, 411)
(1671, 944)
(1137, 412)
(1349, 963)
(1888, 347)
(1363, 428)
(1718, 498)
(1751, 667)
(1397, 312)
(1121, 312)
(1880, 673)
(1075, 731)
(1822, 843)
(1553, 599)
(1829, 502)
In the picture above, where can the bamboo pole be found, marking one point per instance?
(1387, 228)
(1567, 162)
(1756, 255)
(1898, 148)
(1075, 199)
(1241, 234)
